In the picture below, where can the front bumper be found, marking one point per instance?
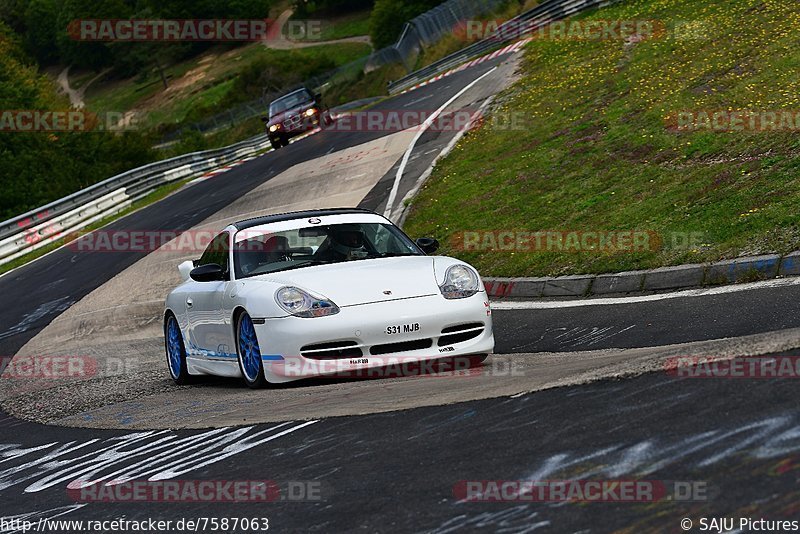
(359, 338)
(291, 129)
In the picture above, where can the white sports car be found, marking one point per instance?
(318, 293)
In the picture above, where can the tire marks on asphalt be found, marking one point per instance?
(154, 455)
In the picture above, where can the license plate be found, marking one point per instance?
(408, 328)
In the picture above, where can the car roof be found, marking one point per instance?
(279, 217)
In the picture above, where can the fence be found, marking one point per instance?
(541, 15)
(422, 31)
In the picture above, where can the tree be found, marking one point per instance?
(41, 19)
(388, 17)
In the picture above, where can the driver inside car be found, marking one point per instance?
(345, 243)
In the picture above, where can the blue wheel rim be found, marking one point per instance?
(175, 350)
(249, 351)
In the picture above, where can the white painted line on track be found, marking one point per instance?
(703, 292)
(417, 101)
(402, 209)
(393, 194)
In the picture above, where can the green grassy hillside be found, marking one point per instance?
(597, 153)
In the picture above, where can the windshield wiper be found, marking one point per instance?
(398, 254)
(298, 265)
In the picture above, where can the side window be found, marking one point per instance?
(217, 252)
(388, 242)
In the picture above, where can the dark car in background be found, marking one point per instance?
(293, 114)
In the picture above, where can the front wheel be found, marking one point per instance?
(276, 143)
(176, 352)
(249, 353)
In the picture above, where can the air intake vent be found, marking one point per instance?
(403, 346)
(460, 333)
(461, 327)
(334, 350)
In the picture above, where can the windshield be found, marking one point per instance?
(288, 102)
(260, 252)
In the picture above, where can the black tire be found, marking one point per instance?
(276, 143)
(256, 380)
(284, 141)
(175, 351)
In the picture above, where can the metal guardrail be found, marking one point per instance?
(37, 228)
(541, 15)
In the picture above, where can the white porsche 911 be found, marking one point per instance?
(317, 293)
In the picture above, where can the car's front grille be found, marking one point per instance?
(460, 333)
(292, 121)
(401, 346)
(334, 350)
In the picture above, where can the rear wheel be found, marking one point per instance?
(249, 353)
(176, 351)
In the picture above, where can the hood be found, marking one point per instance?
(297, 110)
(365, 281)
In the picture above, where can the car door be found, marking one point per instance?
(204, 305)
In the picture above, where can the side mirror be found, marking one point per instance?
(428, 245)
(264, 119)
(208, 273)
(318, 96)
(185, 269)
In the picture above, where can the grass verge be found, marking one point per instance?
(589, 147)
(201, 86)
(353, 24)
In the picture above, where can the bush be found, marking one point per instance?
(39, 167)
(307, 8)
(276, 72)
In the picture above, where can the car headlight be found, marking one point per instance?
(459, 282)
(302, 304)
(310, 112)
(274, 128)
